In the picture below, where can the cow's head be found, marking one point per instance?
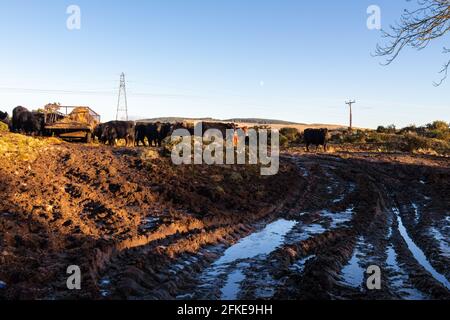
(3, 115)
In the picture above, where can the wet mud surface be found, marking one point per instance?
(140, 228)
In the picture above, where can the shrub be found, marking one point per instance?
(439, 126)
(389, 129)
(289, 136)
(284, 141)
(358, 137)
(376, 137)
(292, 134)
(409, 129)
(414, 143)
(337, 137)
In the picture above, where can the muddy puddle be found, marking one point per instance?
(399, 280)
(149, 223)
(104, 285)
(336, 219)
(417, 253)
(299, 265)
(328, 221)
(231, 288)
(301, 232)
(416, 212)
(353, 273)
(224, 277)
(246, 264)
(441, 240)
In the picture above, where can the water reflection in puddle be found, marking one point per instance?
(442, 240)
(418, 253)
(231, 288)
(416, 212)
(399, 278)
(233, 263)
(263, 242)
(299, 266)
(338, 218)
(104, 285)
(353, 274)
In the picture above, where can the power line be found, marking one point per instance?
(82, 92)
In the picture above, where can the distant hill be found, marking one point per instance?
(261, 121)
(274, 124)
(235, 120)
(176, 119)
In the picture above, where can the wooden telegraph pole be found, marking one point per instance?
(350, 103)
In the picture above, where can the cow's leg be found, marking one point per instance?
(307, 147)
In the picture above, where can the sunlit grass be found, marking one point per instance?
(23, 148)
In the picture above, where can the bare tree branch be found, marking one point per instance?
(416, 29)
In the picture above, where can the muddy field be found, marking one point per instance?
(141, 228)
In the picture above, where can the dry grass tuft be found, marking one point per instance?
(23, 148)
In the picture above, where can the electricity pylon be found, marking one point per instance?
(122, 103)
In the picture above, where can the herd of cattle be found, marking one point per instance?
(134, 134)
(154, 133)
(24, 121)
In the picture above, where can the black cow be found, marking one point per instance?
(115, 130)
(163, 130)
(139, 134)
(4, 118)
(19, 114)
(146, 130)
(24, 121)
(317, 137)
(98, 132)
(221, 126)
(154, 132)
(183, 125)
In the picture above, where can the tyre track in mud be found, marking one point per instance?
(158, 263)
(331, 263)
(367, 234)
(163, 269)
(337, 217)
(117, 212)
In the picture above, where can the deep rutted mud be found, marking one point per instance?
(114, 211)
(141, 228)
(341, 222)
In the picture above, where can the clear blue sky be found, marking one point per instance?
(294, 60)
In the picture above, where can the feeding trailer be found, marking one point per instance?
(78, 123)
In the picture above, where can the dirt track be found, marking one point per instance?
(141, 228)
